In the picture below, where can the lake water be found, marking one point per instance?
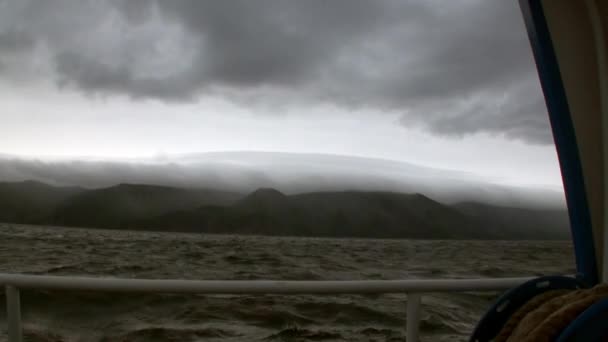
(82, 316)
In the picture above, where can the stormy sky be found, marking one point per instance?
(443, 84)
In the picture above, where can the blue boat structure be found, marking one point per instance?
(569, 43)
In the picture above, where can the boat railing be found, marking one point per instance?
(413, 288)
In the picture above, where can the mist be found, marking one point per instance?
(290, 173)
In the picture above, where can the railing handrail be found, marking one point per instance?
(412, 287)
(257, 286)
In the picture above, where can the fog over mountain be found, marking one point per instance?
(267, 211)
(290, 173)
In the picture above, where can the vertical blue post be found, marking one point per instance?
(565, 139)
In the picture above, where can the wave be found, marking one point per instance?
(66, 316)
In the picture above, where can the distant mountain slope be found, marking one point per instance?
(506, 221)
(387, 214)
(118, 206)
(290, 173)
(30, 201)
(364, 214)
(267, 211)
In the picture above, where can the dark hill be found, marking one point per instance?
(506, 221)
(30, 201)
(120, 205)
(266, 199)
(269, 212)
(385, 214)
(363, 214)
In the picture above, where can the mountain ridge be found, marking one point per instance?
(290, 173)
(267, 211)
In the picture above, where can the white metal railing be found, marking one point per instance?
(412, 288)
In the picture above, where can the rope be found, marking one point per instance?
(551, 316)
(517, 316)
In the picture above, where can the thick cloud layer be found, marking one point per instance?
(290, 173)
(454, 68)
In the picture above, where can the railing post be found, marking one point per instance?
(412, 323)
(13, 314)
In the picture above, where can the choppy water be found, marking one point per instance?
(69, 316)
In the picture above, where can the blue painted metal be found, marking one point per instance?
(565, 139)
(589, 326)
(496, 317)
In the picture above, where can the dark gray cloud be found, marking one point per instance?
(454, 68)
(14, 41)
